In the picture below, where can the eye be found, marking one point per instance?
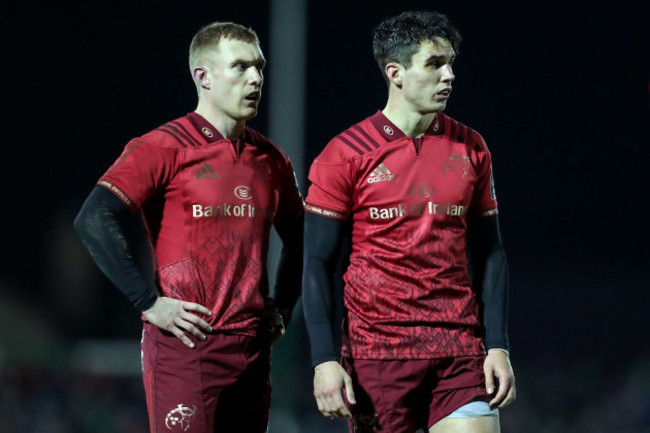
(240, 66)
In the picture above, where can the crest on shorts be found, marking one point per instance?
(180, 417)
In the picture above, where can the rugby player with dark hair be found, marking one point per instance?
(424, 346)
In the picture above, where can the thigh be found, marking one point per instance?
(245, 405)
(388, 394)
(173, 383)
(458, 381)
(486, 424)
(183, 386)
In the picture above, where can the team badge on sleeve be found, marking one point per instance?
(493, 192)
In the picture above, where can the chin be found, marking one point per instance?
(249, 114)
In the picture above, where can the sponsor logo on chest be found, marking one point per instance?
(380, 174)
(205, 172)
(415, 210)
(421, 208)
(237, 210)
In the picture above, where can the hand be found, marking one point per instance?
(497, 365)
(176, 316)
(329, 380)
(274, 324)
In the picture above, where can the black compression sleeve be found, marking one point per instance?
(490, 278)
(100, 225)
(323, 240)
(289, 274)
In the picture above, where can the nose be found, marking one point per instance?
(447, 74)
(256, 76)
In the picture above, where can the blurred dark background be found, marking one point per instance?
(559, 90)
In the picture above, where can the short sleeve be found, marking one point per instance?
(330, 192)
(141, 171)
(484, 201)
(290, 203)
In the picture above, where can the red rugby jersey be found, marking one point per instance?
(407, 290)
(208, 204)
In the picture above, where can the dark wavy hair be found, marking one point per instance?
(398, 38)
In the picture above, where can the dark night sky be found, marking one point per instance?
(560, 93)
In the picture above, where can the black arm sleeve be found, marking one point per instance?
(323, 240)
(100, 225)
(289, 275)
(490, 272)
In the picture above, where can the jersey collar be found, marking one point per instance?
(390, 132)
(205, 128)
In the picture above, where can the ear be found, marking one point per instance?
(394, 73)
(201, 77)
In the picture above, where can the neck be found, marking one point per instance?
(228, 127)
(409, 121)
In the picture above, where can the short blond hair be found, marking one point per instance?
(209, 37)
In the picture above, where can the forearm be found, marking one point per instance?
(289, 272)
(318, 306)
(491, 278)
(495, 294)
(322, 243)
(98, 225)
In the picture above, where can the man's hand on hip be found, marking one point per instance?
(178, 317)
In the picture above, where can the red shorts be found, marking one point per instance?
(222, 385)
(401, 396)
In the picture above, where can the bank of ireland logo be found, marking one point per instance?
(456, 165)
(422, 190)
(243, 192)
(388, 130)
(179, 418)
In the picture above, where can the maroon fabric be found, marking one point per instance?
(395, 396)
(223, 385)
(208, 205)
(407, 290)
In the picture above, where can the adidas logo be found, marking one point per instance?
(380, 174)
(206, 172)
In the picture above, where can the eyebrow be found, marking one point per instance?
(440, 58)
(260, 62)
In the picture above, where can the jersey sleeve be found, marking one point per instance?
(331, 189)
(484, 200)
(290, 204)
(139, 172)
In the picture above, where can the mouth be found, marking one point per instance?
(253, 97)
(444, 94)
